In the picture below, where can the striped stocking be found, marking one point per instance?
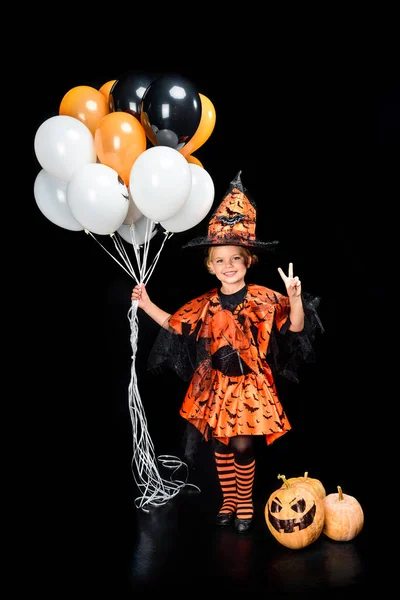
(227, 479)
(245, 479)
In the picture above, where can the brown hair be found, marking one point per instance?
(249, 257)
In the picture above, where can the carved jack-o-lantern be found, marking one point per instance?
(295, 514)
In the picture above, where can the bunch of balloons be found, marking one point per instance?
(122, 155)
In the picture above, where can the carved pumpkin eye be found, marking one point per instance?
(275, 507)
(299, 506)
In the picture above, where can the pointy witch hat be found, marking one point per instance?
(233, 223)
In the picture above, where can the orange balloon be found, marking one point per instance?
(106, 88)
(194, 160)
(86, 104)
(205, 128)
(119, 140)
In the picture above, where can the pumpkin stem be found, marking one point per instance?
(284, 480)
(339, 489)
(306, 475)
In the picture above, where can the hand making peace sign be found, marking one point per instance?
(293, 284)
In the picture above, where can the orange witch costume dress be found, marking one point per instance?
(233, 392)
(231, 347)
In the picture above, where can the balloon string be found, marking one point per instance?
(109, 253)
(155, 260)
(154, 489)
(122, 252)
(140, 261)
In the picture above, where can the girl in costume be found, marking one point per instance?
(228, 343)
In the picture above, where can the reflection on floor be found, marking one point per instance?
(94, 539)
(179, 546)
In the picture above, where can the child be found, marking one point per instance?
(228, 342)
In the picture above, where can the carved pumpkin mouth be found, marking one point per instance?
(291, 525)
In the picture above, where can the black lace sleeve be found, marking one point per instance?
(181, 353)
(288, 350)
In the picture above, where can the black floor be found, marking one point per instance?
(179, 548)
(90, 540)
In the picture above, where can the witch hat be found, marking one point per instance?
(233, 223)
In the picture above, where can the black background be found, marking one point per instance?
(315, 130)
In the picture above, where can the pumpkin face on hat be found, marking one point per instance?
(295, 514)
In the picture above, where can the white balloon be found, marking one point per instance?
(98, 198)
(198, 204)
(160, 182)
(141, 231)
(63, 145)
(51, 197)
(134, 213)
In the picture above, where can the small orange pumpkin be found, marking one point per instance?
(295, 514)
(316, 484)
(344, 516)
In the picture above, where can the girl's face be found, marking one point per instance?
(229, 266)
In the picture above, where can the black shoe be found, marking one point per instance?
(224, 519)
(242, 525)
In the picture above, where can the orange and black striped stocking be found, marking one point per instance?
(244, 480)
(227, 479)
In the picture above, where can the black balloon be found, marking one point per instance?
(128, 90)
(170, 111)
